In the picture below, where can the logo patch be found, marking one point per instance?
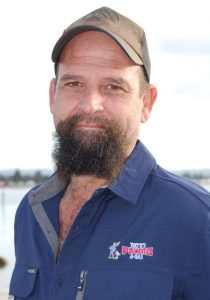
(135, 251)
(114, 253)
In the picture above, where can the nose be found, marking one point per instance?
(91, 102)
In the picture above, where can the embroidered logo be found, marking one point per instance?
(135, 251)
(114, 253)
(103, 14)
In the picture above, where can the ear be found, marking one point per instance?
(52, 90)
(149, 99)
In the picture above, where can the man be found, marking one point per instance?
(111, 223)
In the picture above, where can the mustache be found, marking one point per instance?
(73, 121)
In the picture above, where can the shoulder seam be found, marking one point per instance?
(186, 187)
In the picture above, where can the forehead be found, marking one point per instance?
(94, 45)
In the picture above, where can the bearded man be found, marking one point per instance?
(108, 194)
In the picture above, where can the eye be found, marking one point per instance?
(73, 84)
(113, 87)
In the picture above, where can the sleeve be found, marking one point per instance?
(198, 285)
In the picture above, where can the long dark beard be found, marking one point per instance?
(87, 152)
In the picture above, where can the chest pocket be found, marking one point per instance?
(128, 284)
(23, 283)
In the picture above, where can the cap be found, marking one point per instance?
(126, 33)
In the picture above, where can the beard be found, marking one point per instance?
(89, 152)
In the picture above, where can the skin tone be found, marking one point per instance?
(103, 81)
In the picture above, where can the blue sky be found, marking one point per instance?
(179, 41)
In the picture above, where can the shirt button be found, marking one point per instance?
(76, 228)
(60, 282)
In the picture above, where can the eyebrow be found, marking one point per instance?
(118, 81)
(66, 77)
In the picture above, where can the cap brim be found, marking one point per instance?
(70, 33)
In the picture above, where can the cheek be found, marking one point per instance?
(129, 115)
(59, 113)
(129, 122)
(63, 108)
(133, 121)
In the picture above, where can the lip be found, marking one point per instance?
(89, 126)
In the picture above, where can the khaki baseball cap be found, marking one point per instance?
(127, 34)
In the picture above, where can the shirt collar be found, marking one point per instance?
(129, 184)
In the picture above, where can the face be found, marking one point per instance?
(96, 78)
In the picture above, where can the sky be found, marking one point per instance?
(178, 35)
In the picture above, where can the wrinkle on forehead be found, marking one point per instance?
(94, 47)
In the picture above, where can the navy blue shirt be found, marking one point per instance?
(145, 236)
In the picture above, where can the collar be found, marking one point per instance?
(47, 190)
(128, 185)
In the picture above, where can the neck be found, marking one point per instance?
(84, 186)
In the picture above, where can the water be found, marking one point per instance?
(9, 200)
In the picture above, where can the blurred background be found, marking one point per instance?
(177, 133)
